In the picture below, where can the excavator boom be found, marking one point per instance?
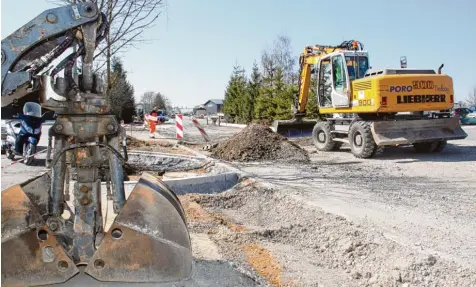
(46, 233)
(298, 126)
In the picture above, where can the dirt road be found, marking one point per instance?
(403, 218)
(191, 133)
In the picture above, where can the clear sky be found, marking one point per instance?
(198, 42)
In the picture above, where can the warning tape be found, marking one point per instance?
(23, 158)
(202, 130)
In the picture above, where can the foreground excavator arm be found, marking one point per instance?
(34, 46)
(43, 239)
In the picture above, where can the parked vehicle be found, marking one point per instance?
(461, 112)
(162, 116)
(23, 133)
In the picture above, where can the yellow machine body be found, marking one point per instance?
(398, 93)
(383, 106)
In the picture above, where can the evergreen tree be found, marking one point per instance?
(312, 109)
(235, 95)
(253, 91)
(264, 107)
(121, 99)
(282, 96)
(161, 101)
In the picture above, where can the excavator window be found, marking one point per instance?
(325, 83)
(339, 74)
(356, 66)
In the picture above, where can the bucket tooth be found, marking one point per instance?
(31, 254)
(148, 240)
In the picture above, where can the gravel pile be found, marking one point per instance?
(259, 143)
(315, 247)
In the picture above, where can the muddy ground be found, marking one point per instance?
(402, 219)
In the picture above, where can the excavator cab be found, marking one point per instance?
(335, 71)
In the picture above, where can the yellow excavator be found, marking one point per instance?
(370, 108)
(47, 236)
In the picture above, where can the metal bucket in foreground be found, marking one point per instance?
(147, 242)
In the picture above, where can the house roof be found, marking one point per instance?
(215, 101)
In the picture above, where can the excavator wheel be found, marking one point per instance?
(322, 137)
(361, 141)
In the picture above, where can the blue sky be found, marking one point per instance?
(198, 42)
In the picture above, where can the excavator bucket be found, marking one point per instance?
(416, 131)
(294, 128)
(147, 242)
(31, 253)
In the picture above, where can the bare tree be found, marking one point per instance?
(128, 19)
(471, 99)
(147, 100)
(280, 56)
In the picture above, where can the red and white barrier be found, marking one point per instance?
(201, 129)
(179, 126)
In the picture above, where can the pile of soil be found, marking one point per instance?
(259, 143)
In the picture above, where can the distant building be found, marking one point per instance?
(199, 110)
(214, 106)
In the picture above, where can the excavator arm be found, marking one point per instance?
(36, 44)
(44, 240)
(308, 62)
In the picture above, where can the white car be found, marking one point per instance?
(471, 115)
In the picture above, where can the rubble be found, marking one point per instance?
(259, 143)
(312, 246)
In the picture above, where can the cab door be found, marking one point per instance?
(340, 92)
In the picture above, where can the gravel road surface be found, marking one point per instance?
(191, 133)
(423, 203)
(401, 219)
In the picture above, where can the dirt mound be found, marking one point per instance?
(258, 143)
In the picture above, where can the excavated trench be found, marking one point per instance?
(183, 173)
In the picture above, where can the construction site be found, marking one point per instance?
(263, 210)
(376, 188)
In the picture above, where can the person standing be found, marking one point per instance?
(152, 122)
